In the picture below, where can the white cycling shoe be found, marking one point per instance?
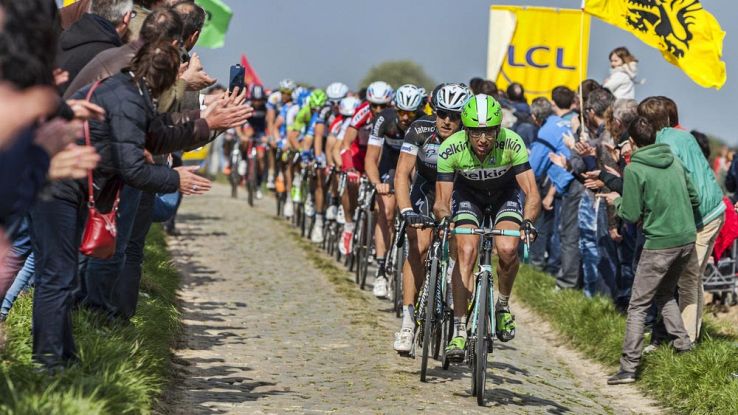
(330, 213)
(380, 287)
(404, 340)
(317, 236)
(288, 208)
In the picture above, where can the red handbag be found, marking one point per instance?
(98, 239)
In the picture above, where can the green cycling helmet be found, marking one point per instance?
(481, 111)
(317, 99)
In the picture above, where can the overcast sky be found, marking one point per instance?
(321, 41)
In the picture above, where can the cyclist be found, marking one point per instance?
(385, 142)
(353, 150)
(336, 132)
(324, 117)
(419, 154)
(273, 108)
(291, 141)
(485, 166)
(255, 131)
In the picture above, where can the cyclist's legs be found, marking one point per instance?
(386, 206)
(509, 217)
(413, 271)
(419, 240)
(319, 190)
(467, 214)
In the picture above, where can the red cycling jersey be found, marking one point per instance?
(362, 121)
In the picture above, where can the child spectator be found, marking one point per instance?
(657, 191)
(623, 71)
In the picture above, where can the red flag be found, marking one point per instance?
(250, 76)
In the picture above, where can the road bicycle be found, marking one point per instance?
(481, 311)
(395, 260)
(363, 233)
(434, 315)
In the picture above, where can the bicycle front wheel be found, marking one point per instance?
(397, 281)
(483, 316)
(366, 247)
(430, 308)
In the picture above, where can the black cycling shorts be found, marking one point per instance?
(469, 206)
(423, 195)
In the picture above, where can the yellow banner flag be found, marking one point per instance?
(686, 34)
(541, 48)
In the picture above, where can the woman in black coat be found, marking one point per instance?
(129, 100)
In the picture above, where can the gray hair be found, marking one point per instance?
(111, 10)
(541, 108)
(599, 101)
(625, 110)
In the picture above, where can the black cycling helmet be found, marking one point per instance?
(257, 92)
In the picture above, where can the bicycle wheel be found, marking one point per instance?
(251, 180)
(430, 307)
(355, 254)
(447, 331)
(366, 247)
(483, 315)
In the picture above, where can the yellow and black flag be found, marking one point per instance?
(686, 34)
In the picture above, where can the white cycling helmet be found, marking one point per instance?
(287, 85)
(348, 105)
(450, 97)
(379, 92)
(409, 97)
(336, 91)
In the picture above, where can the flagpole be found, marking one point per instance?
(581, 69)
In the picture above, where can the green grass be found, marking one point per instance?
(699, 382)
(123, 369)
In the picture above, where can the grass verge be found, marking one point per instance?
(123, 368)
(699, 382)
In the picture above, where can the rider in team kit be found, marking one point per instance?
(337, 130)
(485, 166)
(419, 154)
(383, 151)
(255, 130)
(353, 150)
(274, 104)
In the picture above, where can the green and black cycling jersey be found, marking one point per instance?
(421, 141)
(457, 162)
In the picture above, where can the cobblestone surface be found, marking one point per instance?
(272, 327)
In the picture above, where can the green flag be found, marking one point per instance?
(218, 15)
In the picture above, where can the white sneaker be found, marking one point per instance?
(259, 195)
(404, 340)
(317, 236)
(340, 218)
(330, 213)
(288, 208)
(309, 208)
(380, 287)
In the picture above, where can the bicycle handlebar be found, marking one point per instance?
(495, 232)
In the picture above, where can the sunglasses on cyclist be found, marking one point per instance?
(403, 113)
(489, 133)
(451, 115)
(378, 107)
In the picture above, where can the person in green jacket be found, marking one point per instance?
(662, 113)
(657, 191)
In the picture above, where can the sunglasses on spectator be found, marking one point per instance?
(450, 115)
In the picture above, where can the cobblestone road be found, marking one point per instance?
(272, 327)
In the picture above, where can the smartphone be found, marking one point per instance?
(236, 78)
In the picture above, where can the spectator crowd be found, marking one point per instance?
(632, 208)
(120, 71)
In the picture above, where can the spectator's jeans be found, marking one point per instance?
(588, 243)
(22, 282)
(15, 259)
(125, 290)
(548, 240)
(568, 276)
(658, 272)
(100, 274)
(626, 254)
(608, 255)
(56, 229)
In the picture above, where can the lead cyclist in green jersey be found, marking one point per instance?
(484, 168)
